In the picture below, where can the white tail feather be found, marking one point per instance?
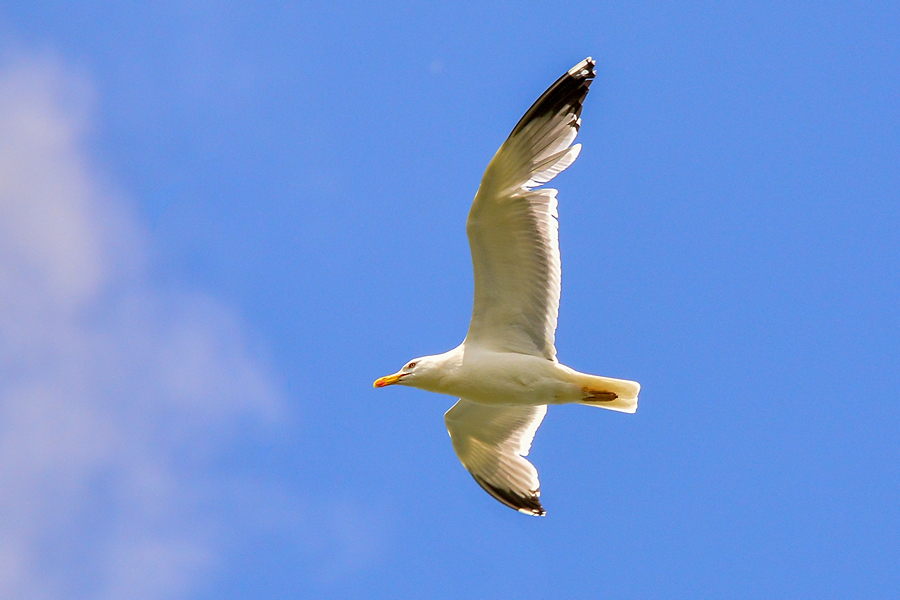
(614, 394)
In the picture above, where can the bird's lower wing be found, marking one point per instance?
(491, 442)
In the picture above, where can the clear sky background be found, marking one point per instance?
(220, 222)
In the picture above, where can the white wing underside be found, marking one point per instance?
(513, 229)
(491, 442)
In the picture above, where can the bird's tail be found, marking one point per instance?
(615, 394)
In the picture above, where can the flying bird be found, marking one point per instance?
(505, 372)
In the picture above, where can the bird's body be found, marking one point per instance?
(502, 378)
(505, 372)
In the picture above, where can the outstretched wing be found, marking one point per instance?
(491, 442)
(513, 231)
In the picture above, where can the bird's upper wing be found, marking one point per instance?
(513, 232)
(491, 442)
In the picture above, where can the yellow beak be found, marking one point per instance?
(389, 380)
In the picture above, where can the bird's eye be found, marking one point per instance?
(411, 365)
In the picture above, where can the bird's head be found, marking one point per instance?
(419, 373)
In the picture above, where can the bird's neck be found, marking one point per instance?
(442, 372)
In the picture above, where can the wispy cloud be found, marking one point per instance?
(114, 393)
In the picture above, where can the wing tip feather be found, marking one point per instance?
(583, 68)
(569, 90)
(529, 505)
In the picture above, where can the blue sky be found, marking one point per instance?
(220, 222)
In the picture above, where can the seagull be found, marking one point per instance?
(505, 372)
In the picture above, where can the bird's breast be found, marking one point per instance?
(508, 378)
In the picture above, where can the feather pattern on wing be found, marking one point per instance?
(513, 229)
(491, 442)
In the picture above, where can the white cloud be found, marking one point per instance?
(113, 393)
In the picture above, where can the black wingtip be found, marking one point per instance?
(529, 505)
(568, 92)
